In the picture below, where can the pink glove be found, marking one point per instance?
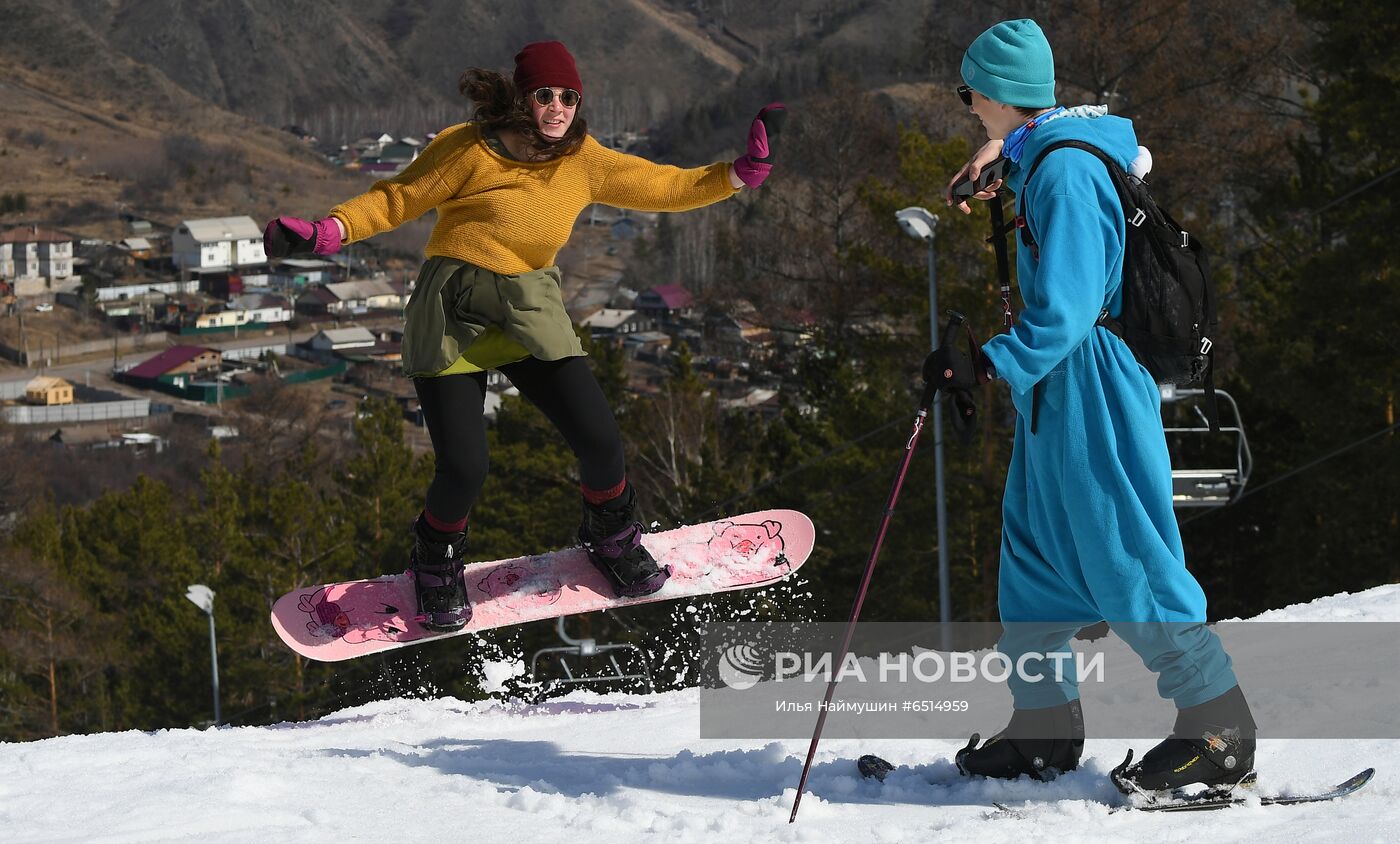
(288, 236)
(753, 167)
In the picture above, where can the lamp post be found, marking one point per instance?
(921, 224)
(203, 597)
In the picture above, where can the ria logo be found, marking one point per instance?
(741, 666)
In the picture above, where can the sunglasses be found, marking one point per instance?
(568, 98)
(965, 94)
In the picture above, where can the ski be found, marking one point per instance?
(1206, 803)
(873, 767)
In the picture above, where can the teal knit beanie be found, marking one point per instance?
(1011, 63)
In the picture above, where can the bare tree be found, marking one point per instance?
(277, 422)
(795, 246)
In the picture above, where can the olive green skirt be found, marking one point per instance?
(463, 318)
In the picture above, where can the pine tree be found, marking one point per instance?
(1317, 351)
(382, 485)
(48, 639)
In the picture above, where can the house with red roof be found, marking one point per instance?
(665, 303)
(174, 361)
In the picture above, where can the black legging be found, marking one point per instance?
(565, 390)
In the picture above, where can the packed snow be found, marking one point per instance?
(614, 768)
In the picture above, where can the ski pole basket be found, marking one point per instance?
(1206, 470)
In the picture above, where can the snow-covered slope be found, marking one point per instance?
(622, 767)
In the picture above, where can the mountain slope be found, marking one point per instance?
(622, 767)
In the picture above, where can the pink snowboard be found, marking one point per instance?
(345, 620)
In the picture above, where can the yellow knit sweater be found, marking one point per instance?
(511, 216)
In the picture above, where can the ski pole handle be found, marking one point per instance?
(932, 380)
(952, 328)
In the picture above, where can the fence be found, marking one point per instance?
(93, 405)
(209, 392)
(47, 354)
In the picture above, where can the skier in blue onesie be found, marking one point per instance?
(1088, 528)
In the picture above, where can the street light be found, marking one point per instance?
(203, 597)
(921, 224)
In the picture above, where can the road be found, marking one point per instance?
(98, 368)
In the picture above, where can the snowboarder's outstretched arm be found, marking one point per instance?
(641, 185)
(427, 182)
(388, 204)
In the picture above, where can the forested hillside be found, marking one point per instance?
(1274, 129)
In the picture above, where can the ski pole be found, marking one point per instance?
(925, 402)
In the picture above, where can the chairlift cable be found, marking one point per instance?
(1300, 469)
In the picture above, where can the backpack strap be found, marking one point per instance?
(1134, 215)
(1029, 240)
(1074, 144)
(1116, 174)
(998, 242)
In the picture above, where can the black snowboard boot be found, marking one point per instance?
(437, 573)
(612, 536)
(1039, 743)
(1212, 744)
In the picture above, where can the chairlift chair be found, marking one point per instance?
(587, 648)
(1194, 486)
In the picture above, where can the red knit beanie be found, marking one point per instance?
(545, 64)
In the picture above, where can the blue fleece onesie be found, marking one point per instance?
(1088, 529)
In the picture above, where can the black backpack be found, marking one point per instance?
(1168, 319)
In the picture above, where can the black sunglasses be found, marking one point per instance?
(568, 98)
(965, 94)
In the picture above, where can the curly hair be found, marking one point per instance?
(498, 105)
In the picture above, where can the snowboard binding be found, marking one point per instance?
(628, 565)
(437, 566)
(613, 539)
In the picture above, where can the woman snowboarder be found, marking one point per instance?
(508, 186)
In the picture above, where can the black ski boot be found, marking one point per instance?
(437, 573)
(1211, 744)
(1039, 743)
(613, 539)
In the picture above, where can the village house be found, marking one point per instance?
(174, 362)
(139, 248)
(352, 297)
(248, 309)
(737, 338)
(665, 303)
(299, 272)
(760, 400)
(392, 158)
(607, 323)
(47, 391)
(262, 308)
(650, 346)
(342, 339)
(358, 345)
(217, 245)
(364, 153)
(34, 260)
